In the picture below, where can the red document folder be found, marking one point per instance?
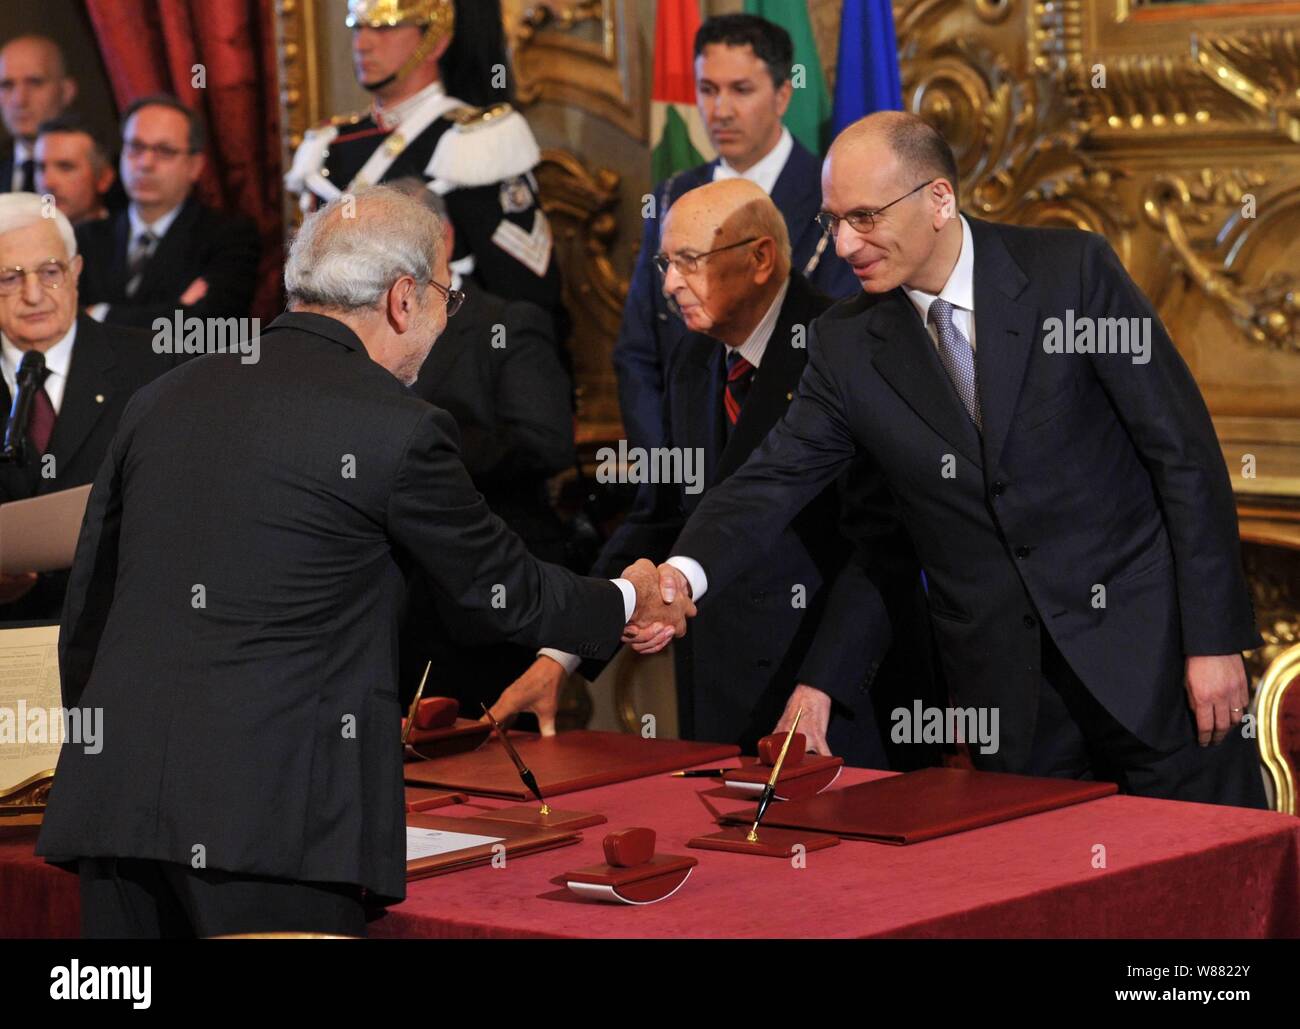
(932, 802)
(570, 761)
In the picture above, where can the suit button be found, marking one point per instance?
(1023, 552)
(998, 488)
(1030, 622)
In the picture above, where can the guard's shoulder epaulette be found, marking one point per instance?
(485, 145)
(339, 120)
(471, 119)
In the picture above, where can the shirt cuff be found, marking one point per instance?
(569, 662)
(629, 598)
(694, 573)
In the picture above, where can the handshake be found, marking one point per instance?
(663, 603)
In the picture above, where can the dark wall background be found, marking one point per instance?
(66, 22)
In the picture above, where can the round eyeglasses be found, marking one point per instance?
(51, 274)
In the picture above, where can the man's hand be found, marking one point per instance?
(1218, 694)
(663, 603)
(194, 292)
(15, 587)
(816, 717)
(537, 691)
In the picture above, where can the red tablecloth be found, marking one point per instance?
(1171, 870)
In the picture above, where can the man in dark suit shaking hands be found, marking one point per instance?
(1051, 459)
(233, 606)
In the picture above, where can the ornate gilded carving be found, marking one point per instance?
(1169, 128)
(28, 797)
(581, 206)
(555, 60)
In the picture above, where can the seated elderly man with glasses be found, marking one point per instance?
(90, 372)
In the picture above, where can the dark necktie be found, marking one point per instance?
(958, 358)
(40, 425)
(740, 373)
(29, 175)
(141, 250)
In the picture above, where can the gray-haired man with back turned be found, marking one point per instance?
(233, 606)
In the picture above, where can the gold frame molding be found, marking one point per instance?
(551, 63)
(1281, 677)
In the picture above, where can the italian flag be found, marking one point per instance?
(809, 115)
(678, 139)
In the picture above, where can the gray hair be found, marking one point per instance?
(348, 254)
(19, 210)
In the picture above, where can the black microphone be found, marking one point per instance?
(31, 376)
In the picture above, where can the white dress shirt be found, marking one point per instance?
(959, 291)
(752, 350)
(57, 361)
(158, 227)
(23, 152)
(766, 170)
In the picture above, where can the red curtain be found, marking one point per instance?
(164, 46)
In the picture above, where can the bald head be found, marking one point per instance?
(724, 212)
(34, 86)
(917, 148)
(724, 294)
(890, 183)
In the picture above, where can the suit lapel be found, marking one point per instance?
(798, 196)
(907, 360)
(16, 483)
(1004, 334)
(696, 396)
(86, 395)
(773, 385)
(119, 263)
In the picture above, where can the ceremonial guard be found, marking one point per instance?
(418, 58)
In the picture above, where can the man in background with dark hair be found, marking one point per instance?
(743, 87)
(425, 62)
(34, 87)
(166, 251)
(73, 166)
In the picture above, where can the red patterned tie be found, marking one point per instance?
(41, 423)
(739, 373)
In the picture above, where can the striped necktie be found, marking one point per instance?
(141, 250)
(740, 373)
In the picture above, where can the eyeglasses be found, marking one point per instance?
(51, 275)
(455, 297)
(861, 221)
(165, 151)
(689, 264)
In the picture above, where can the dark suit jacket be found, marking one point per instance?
(1092, 471)
(108, 365)
(218, 246)
(650, 333)
(233, 611)
(744, 653)
(496, 370)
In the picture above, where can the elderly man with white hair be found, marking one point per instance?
(90, 372)
(234, 604)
